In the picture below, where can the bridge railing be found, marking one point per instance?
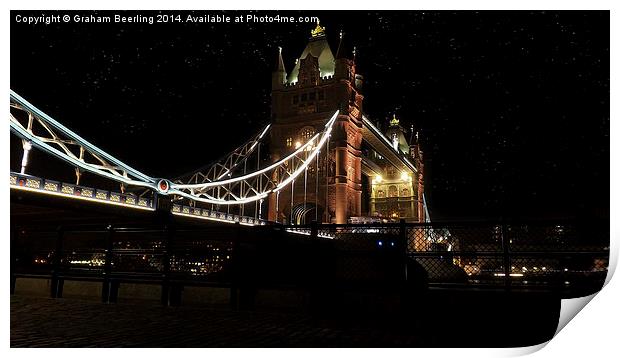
(80, 192)
(569, 258)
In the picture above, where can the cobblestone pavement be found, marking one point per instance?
(46, 322)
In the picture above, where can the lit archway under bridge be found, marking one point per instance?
(305, 213)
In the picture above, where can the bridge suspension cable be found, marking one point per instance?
(215, 185)
(38, 129)
(260, 183)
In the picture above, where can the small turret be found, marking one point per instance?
(396, 134)
(319, 48)
(278, 77)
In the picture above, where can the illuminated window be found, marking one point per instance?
(307, 133)
(392, 191)
(289, 142)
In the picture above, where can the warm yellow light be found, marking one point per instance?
(117, 202)
(404, 176)
(378, 179)
(297, 145)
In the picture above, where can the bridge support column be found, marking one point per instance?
(26, 145)
(341, 185)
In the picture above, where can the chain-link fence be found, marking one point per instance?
(568, 257)
(565, 257)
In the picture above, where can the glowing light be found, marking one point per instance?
(80, 197)
(213, 219)
(51, 186)
(33, 183)
(377, 179)
(404, 176)
(307, 233)
(256, 173)
(379, 134)
(297, 144)
(511, 275)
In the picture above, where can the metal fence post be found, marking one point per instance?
(506, 249)
(403, 238)
(108, 292)
(56, 281)
(314, 230)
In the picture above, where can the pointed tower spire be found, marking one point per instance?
(278, 76)
(280, 66)
(339, 51)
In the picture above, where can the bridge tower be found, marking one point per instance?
(302, 101)
(397, 192)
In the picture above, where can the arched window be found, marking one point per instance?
(307, 133)
(392, 191)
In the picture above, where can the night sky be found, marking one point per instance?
(512, 107)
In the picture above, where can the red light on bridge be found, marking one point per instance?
(163, 185)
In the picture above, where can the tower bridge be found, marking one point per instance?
(329, 162)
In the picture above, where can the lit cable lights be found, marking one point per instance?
(181, 189)
(61, 142)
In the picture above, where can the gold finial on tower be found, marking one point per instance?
(318, 30)
(394, 121)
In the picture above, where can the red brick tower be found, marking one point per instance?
(302, 102)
